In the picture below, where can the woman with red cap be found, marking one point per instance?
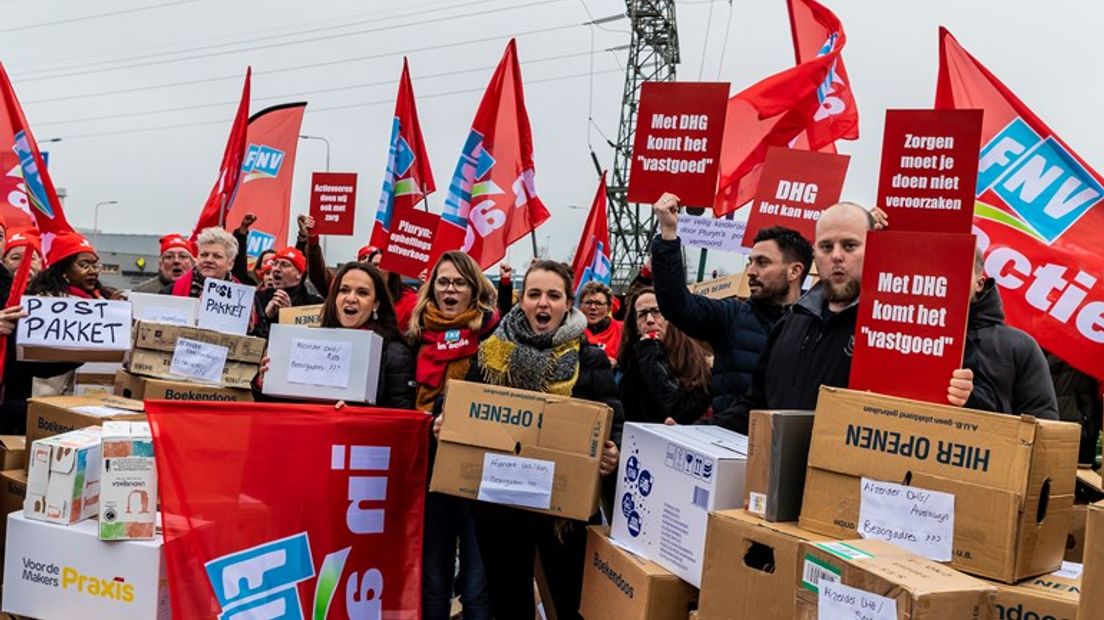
(21, 241)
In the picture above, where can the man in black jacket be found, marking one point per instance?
(289, 290)
(736, 330)
(812, 344)
(1007, 360)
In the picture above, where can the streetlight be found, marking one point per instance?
(327, 142)
(96, 220)
(48, 140)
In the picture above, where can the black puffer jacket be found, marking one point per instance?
(300, 296)
(1080, 401)
(1006, 361)
(806, 349)
(396, 382)
(651, 393)
(736, 330)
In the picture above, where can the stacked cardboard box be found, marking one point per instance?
(155, 344)
(1091, 606)
(53, 415)
(619, 584)
(148, 388)
(1053, 596)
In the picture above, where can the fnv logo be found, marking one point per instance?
(261, 161)
(1037, 179)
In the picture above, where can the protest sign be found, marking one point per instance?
(704, 231)
(678, 141)
(794, 188)
(324, 508)
(198, 360)
(929, 169)
(333, 202)
(407, 244)
(167, 309)
(225, 306)
(69, 324)
(911, 327)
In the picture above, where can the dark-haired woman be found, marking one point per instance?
(540, 346)
(666, 373)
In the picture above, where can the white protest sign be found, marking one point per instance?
(711, 233)
(320, 362)
(166, 309)
(836, 601)
(198, 360)
(74, 323)
(225, 306)
(516, 481)
(918, 520)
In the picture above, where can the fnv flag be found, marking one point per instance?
(492, 197)
(1038, 215)
(408, 178)
(267, 170)
(808, 106)
(325, 525)
(222, 194)
(592, 256)
(26, 181)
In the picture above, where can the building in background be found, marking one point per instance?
(127, 259)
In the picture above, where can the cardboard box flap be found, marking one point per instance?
(491, 439)
(13, 442)
(1090, 487)
(491, 416)
(574, 427)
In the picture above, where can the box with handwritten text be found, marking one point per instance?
(317, 363)
(183, 353)
(53, 415)
(990, 493)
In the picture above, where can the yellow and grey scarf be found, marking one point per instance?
(516, 357)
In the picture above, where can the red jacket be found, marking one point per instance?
(609, 339)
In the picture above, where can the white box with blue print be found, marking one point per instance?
(669, 480)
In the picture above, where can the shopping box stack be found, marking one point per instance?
(204, 364)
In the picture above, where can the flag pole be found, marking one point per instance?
(533, 238)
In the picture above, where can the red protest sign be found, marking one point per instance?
(333, 202)
(407, 245)
(929, 169)
(794, 188)
(678, 141)
(911, 329)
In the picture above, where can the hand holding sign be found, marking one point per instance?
(962, 385)
(8, 317)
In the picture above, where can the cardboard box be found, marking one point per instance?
(343, 364)
(1092, 578)
(95, 378)
(1075, 539)
(725, 287)
(165, 309)
(670, 478)
(750, 567)
(303, 316)
(618, 584)
(66, 572)
(128, 482)
(162, 337)
(1049, 597)
(14, 491)
(481, 421)
(13, 449)
(53, 415)
(158, 364)
(63, 484)
(778, 452)
(920, 588)
(148, 388)
(1012, 476)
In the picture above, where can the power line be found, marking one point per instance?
(71, 20)
(327, 38)
(329, 108)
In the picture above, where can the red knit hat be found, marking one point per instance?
(293, 256)
(365, 253)
(67, 244)
(24, 238)
(175, 242)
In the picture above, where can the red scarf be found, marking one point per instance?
(446, 344)
(83, 294)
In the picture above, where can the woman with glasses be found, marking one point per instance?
(454, 312)
(602, 330)
(666, 375)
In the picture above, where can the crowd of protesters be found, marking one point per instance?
(672, 357)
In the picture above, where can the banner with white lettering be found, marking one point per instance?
(408, 243)
(327, 525)
(795, 186)
(333, 202)
(225, 306)
(74, 323)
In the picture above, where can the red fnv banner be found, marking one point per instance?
(407, 246)
(794, 188)
(911, 329)
(677, 147)
(333, 202)
(291, 510)
(1038, 215)
(929, 169)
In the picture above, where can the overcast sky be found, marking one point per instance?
(344, 57)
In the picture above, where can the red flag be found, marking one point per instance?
(266, 175)
(492, 197)
(27, 183)
(291, 507)
(222, 194)
(1038, 215)
(408, 178)
(592, 256)
(807, 106)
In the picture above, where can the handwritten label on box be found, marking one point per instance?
(198, 360)
(836, 601)
(320, 362)
(517, 481)
(915, 519)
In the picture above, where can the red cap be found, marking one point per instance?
(67, 244)
(293, 256)
(365, 253)
(178, 242)
(24, 238)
